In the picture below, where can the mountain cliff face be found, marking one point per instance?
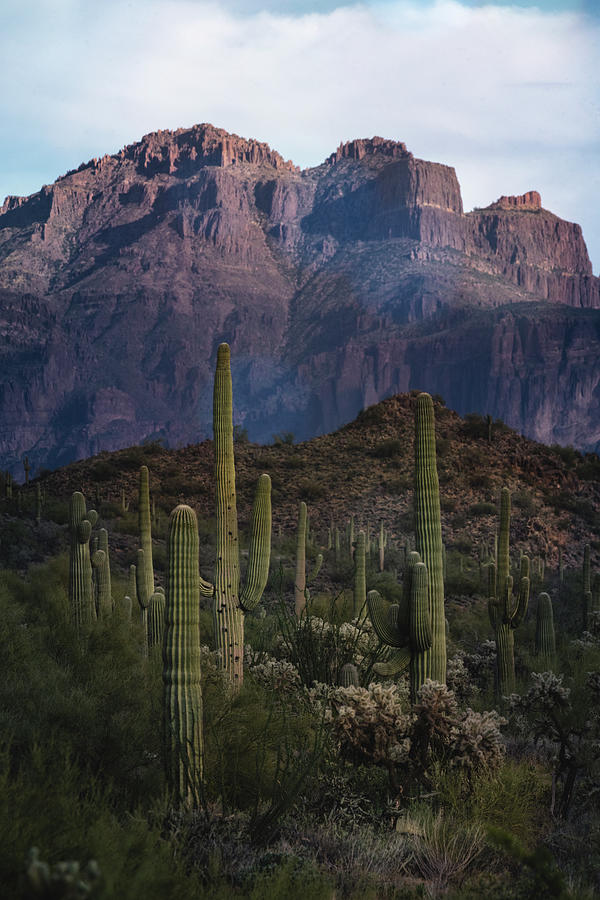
(335, 286)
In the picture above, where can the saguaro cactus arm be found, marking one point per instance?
(420, 620)
(259, 553)
(381, 617)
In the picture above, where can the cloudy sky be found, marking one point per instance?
(509, 94)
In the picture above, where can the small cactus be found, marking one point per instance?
(348, 675)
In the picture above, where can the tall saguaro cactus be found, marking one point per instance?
(300, 581)
(428, 529)
(182, 693)
(406, 626)
(145, 526)
(545, 640)
(360, 582)
(229, 605)
(505, 610)
(301, 593)
(80, 568)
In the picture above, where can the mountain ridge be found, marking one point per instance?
(118, 281)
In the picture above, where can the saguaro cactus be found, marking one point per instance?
(545, 641)
(505, 610)
(360, 582)
(145, 599)
(80, 569)
(101, 568)
(145, 526)
(300, 581)
(156, 619)
(182, 693)
(428, 529)
(301, 593)
(348, 676)
(406, 626)
(229, 605)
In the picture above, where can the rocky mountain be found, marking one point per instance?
(335, 286)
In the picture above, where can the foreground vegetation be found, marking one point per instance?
(322, 760)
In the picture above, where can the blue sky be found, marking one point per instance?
(507, 93)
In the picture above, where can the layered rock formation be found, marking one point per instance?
(335, 286)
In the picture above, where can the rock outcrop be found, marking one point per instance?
(334, 286)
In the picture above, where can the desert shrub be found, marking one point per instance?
(308, 489)
(589, 468)
(568, 455)
(483, 509)
(283, 437)
(479, 480)
(48, 801)
(105, 470)
(388, 449)
(443, 848)
(319, 649)
(260, 746)
(523, 500)
(564, 724)
(131, 459)
(480, 664)
(442, 446)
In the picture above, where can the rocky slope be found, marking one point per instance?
(335, 286)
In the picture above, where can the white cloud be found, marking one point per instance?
(509, 96)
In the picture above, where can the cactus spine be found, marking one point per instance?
(182, 694)
(545, 641)
(506, 612)
(80, 569)
(406, 626)
(428, 529)
(228, 605)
